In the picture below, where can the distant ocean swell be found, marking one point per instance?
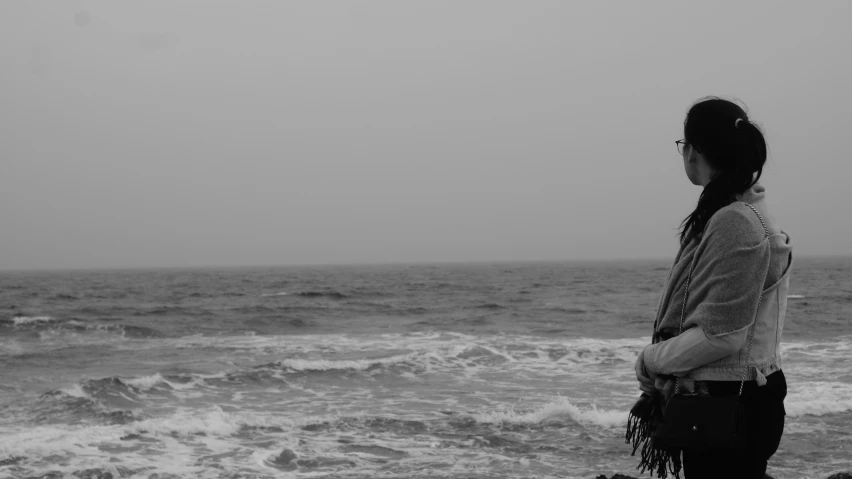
(298, 311)
(47, 331)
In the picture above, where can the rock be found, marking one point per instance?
(841, 475)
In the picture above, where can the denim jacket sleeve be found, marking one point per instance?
(690, 350)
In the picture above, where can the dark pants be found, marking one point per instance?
(764, 410)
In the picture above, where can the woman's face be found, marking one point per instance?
(691, 164)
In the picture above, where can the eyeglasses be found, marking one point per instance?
(681, 145)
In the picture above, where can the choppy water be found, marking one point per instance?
(512, 370)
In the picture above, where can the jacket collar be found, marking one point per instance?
(753, 195)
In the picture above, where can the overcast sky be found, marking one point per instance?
(191, 133)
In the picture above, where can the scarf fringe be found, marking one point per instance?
(660, 461)
(655, 460)
(637, 431)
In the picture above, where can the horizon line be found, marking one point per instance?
(368, 264)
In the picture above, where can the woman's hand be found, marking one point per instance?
(646, 382)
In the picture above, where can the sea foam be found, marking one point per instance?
(20, 320)
(331, 365)
(75, 390)
(145, 382)
(560, 408)
(818, 398)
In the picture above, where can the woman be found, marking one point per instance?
(737, 262)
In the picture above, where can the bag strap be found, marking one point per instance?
(754, 324)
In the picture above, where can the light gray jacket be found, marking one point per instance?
(738, 266)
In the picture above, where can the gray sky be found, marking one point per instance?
(178, 133)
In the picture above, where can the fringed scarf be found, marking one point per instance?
(644, 418)
(647, 413)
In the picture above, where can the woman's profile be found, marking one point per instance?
(721, 315)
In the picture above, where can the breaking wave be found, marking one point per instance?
(559, 409)
(27, 320)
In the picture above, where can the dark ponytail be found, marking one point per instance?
(733, 146)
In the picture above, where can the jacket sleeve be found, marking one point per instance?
(724, 295)
(690, 350)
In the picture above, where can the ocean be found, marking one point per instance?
(448, 370)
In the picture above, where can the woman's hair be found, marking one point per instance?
(733, 146)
